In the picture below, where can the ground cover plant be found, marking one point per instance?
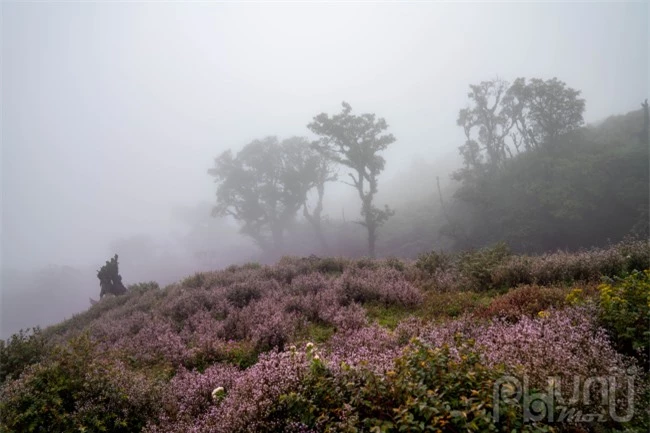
(331, 344)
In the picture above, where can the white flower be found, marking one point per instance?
(292, 348)
(310, 345)
(217, 392)
(316, 357)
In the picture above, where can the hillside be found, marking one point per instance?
(332, 344)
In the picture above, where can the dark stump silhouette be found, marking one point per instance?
(110, 280)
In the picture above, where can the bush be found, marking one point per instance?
(18, 352)
(433, 262)
(196, 281)
(479, 265)
(625, 313)
(240, 295)
(426, 387)
(77, 389)
(526, 300)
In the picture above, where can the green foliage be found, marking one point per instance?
(429, 389)
(76, 390)
(387, 316)
(591, 187)
(317, 332)
(433, 262)
(241, 295)
(439, 305)
(330, 265)
(143, 287)
(625, 313)
(196, 281)
(478, 266)
(20, 351)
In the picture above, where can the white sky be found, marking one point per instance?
(113, 112)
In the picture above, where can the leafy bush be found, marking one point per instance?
(526, 300)
(77, 389)
(479, 265)
(240, 295)
(195, 281)
(452, 304)
(433, 262)
(625, 313)
(427, 388)
(20, 351)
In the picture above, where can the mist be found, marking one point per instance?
(113, 112)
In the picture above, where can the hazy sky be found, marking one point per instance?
(113, 112)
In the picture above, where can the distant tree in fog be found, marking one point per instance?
(354, 141)
(502, 120)
(544, 110)
(266, 184)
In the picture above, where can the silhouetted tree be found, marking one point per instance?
(354, 141)
(265, 185)
(502, 118)
(486, 122)
(553, 109)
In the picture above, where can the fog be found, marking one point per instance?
(112, 113)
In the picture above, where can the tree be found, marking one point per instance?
(553, 109)
(354, 141)
(265, 185)
(501, 118)
(492, 121)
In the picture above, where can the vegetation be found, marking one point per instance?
(355, 141)
(312, 344)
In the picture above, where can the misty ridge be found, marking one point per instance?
(533, 176)
(123, 109)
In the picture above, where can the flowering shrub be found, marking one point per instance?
(625, 312)
(78, 389)
(383, 284)
(216, 352)
(426, 387)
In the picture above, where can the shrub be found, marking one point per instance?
(241, 294)
(427, 389)
(383, 284)
(77, 389)
(452, 304)
(433, 262)
(479, 265)
(20, 351)
(625, 313)
(526, 300)
(195, 281)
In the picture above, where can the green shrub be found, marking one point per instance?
(428, 389)
(433, 262)
(479, 265)
(453, 304)
(240, 295)
(77, 390)
(625, 313)
(196, 281)
(18, 352)
(143, 287)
